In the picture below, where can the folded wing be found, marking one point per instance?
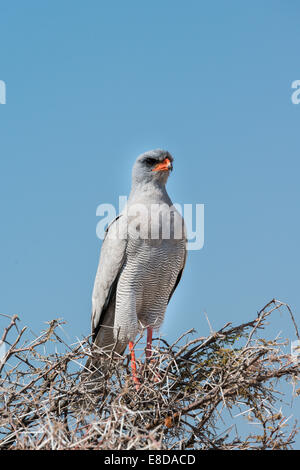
(112, 258)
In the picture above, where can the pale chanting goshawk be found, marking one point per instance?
(141, 261)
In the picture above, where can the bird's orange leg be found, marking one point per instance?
(133, 366)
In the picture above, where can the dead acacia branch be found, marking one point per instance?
(50, 400)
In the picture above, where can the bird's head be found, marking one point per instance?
(154, 165)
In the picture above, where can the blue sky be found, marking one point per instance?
(90, 86)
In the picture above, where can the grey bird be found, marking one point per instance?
(141, 261)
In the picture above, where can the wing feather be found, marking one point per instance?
(112, 258)
(179, 276)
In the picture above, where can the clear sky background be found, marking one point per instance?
(90, 86)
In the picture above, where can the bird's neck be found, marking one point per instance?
(151, 191)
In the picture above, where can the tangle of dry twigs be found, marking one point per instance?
(49, 400)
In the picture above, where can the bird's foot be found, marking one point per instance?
(149, 369)
(156, 377)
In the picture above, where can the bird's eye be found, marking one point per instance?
(150, 161)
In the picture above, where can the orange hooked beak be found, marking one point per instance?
(166, 165)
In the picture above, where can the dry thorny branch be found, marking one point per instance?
(191, 393)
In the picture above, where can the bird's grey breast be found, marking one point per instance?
(155, 255)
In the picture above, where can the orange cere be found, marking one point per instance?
(163, 166)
